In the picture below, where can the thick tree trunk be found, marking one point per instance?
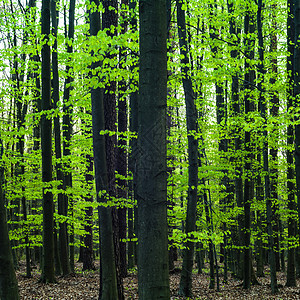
(153, 269)
(48, 274)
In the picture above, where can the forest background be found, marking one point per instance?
(227, 137)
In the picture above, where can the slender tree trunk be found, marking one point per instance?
(67, 132)
(122, 154)
(110, 20)
(185, 288)
(249, 45)
(296, 105)
(291, 267)
(153, 269)
(108, 279)
(87, 255)
(236, 107)
(274, 111)
(263, 111)
(63, 241)
(48, 274)
(8, 282)
(132, 159)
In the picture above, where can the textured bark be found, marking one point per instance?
(110, 20)
(48, 274)
(8, 282)
(108, 280)
(185, 287)
(153, 269)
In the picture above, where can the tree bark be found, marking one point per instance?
(132, 158)
(63, 241)
(8, 282)
(48, 274)
(291, 264)
(153, 269)
(67, 134)
(263, 111)
(249, 45)
(185, 288)
(121, 152)
(108, 279)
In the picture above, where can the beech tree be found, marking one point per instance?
(191, 122)
(46, 143)
(153, 270)
(8, 282)
(232, 117)
(108, 279)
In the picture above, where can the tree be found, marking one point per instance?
(153, 270)
(108, 280)
(8, 282)
(67, 131)
(291, 270)
(249, 78)
(192, 130)
(63, 240)
(263, 111)
(48, 274)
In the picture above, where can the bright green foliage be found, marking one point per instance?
(20, 73)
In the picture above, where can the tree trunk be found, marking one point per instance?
(67, 133)
(48, 274)
(263, 111)
(8, 282)
(249, 78)
(63, 242)
(236, 108)
(108, 279)
(110, 20)
(122, 156)
(87, 253)
(296, 100)
(132, 159)
(274, 136)
(291, 267)
(185, 288)
(153, 269)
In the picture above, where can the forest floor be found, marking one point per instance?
(85, 286)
